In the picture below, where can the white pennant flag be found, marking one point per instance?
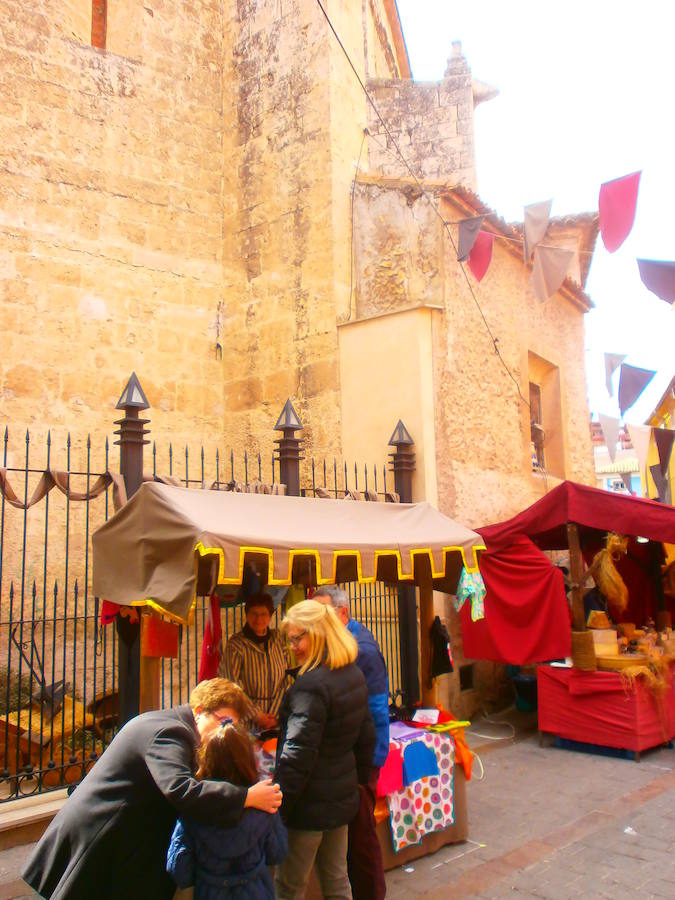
(610, 428)
(640, 436)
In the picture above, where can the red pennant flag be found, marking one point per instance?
(632, 382)
(663, 438)
(211, 646)
(481, 254)
(617, 204)
(659, 278)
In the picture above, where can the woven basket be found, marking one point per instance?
(583, 651)
(616, 663)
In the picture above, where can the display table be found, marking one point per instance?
(600, 708)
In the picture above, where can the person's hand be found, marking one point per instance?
(264, 795)
(265, 721)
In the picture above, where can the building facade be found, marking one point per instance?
(201, 192)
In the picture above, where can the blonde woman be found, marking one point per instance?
(325, 750)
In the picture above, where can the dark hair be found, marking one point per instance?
(260, 599)
(228, 756)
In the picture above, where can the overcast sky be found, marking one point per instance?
(587, 93)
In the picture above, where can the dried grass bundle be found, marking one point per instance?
(605, 573)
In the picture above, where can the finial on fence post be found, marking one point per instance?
(132, 434)
(289, 449)
(402, 461)
(131, 440)
(403, 464)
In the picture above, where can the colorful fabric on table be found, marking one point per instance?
(419, 761)
(391, 773)
(426, 805)
(471, 585)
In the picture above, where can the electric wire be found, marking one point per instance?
(425, 193)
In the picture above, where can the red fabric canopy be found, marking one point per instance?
(526, 613)
(595, 512)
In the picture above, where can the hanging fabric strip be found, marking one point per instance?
(612, 362)
(640, 436)
(610, 429)
(659, 278)
(663, 438)
(468, 232)
(481, 254)
(61, 480)
(551, 265)
(535, 224)
(632, 383)
(617, 204)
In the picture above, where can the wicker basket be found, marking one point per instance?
(583, 651)
(616, 663)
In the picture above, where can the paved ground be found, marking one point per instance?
(544, 823)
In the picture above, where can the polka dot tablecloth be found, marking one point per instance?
(425, 805)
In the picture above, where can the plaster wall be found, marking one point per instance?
(386, 374)
(111, 217)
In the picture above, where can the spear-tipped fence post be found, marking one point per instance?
(289, 449)
(403, 464)
(131, 441)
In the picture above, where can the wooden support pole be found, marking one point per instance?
(576, 577)
(427, 614)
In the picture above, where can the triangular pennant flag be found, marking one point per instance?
(663, 438)
(659, 278)
(612, 362)
(550, 268)
(632, 382)
(535, 223)
(617, 204)
(481, 254)
(640, 435)
(610, 429)
(660, 482)
(626, 477)
(468, 232)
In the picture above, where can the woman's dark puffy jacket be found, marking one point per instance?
(325, 747)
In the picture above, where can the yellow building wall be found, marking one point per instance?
(662, 417)
(386, 374)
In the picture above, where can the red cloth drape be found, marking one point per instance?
(598, 708)
(211, 646)
(526, 612)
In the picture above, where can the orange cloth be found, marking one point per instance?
(463, 755)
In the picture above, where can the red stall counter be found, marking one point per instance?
(601, 708)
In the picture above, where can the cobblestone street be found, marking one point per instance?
(544, 822)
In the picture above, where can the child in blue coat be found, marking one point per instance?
(228, 862)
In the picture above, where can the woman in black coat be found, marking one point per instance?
(110, 838)
(325, 750)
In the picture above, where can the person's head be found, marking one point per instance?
(332, 595)
(258, 610)
(228, 756)
(215, 701)
(317, 636)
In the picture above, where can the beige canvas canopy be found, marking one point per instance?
(169, 543)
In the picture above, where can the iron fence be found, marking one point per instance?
(59, 691)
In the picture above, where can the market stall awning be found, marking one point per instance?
(595, 512)
(169, 543)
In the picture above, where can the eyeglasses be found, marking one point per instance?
(294, 641)
(222, 720)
